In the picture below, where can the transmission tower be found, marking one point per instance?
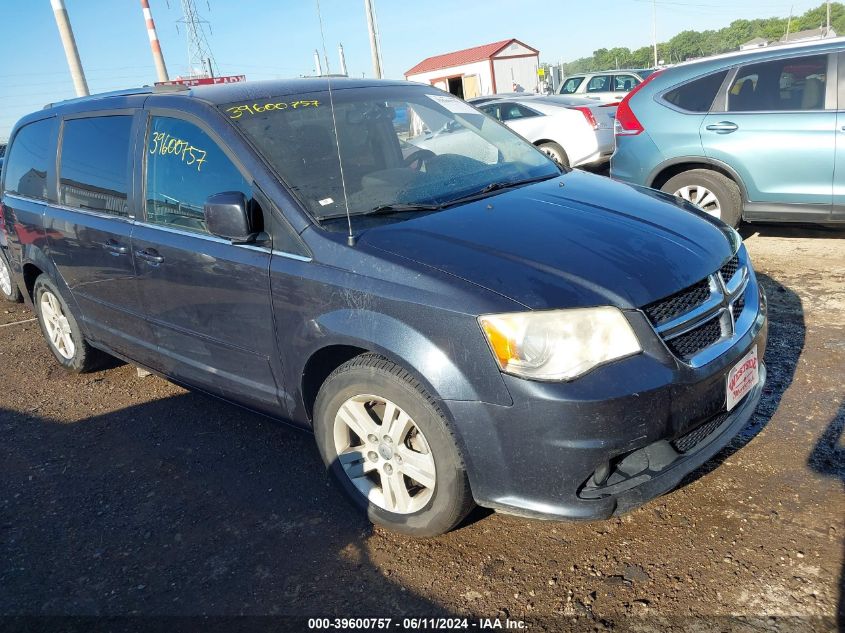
(200, 60)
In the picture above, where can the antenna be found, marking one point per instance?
(350, 238)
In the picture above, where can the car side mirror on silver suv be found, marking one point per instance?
(227, 216)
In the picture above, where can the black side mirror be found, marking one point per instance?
(227, 216)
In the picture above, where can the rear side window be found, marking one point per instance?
(624, 83)
(492, 110)
(184, 167)
(783, 84)
(696, 95)
(94, 169)
(512, 111)
(571, 85)
(599, 83)
(26, 164)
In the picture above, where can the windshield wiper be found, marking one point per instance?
(498, 186)
(386, 209)
(401, 207)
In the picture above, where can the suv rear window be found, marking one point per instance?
(26, 165)
(571, 85)
(783, 84)
(94, 172)
(696, 95)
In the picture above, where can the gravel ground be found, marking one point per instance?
(127, 495)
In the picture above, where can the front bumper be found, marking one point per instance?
(539, 457)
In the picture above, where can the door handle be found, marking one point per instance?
(149, 255)
(723, 127)
(115, 248)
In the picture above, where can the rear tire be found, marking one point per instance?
(714, 193)
(8, 290)
(555, 152)
(399, 461)
(60, 329)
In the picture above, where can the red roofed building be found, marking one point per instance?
(506, 66)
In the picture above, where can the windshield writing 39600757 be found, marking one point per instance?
(236, 112)
(166, 145)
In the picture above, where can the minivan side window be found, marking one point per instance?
(94, 166)
(784, 84)
(184, 167)
(26, 163)
(696, 95)
(571, 85)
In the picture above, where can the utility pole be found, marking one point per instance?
(654, 28)
(375, 53)
(343, 70)
(788, 24)
(827, 30)
(69, 44)
(158, 58)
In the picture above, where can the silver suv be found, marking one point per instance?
(607, 86)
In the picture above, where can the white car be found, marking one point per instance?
(572, 131)
(608, 87)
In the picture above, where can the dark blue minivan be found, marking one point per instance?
(457, 318)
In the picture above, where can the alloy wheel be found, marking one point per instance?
(384, 454)
(56, 325)
(702, 197)
(5, 277)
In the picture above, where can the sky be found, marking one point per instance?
(266, 39)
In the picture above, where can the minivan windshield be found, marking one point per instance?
(402, 149)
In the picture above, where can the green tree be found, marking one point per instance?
(691, 44)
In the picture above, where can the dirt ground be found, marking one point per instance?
(127, 495)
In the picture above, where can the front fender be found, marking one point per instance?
(456, 365)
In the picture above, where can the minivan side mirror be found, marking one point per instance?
(227, 216)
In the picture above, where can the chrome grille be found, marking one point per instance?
(738, 305)
(688, 345)
(729, 270)
(702, 315)
(679, 303)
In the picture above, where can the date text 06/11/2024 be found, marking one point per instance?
(421, 624)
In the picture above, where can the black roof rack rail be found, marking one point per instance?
(114, 93)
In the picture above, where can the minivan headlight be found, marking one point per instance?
(558, 344)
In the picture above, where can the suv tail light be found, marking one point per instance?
(588, 114)
(627, 124)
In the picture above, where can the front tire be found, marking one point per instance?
(390, 447)
(60, 329)
(714, 193)
(8, 290)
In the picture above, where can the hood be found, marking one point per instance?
(574, 241)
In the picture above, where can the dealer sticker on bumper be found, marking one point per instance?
(742, 378)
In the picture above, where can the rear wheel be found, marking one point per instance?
(60, 329)
(389, 445)
(714, 193)
(8, 290)
(555, 152)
